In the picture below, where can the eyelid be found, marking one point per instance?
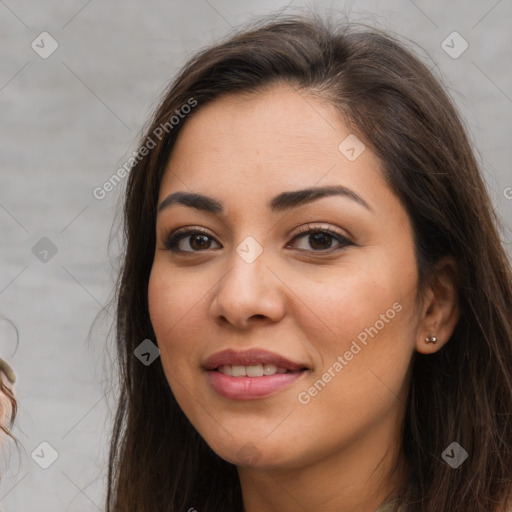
(188, 229)
(324, 227)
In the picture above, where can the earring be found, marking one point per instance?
(431, 339)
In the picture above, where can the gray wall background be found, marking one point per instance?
(70, 120)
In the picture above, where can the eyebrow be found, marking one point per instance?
(279, 203)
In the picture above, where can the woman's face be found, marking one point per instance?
(338, 305)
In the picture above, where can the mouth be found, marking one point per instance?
(251, 374)
(256, 370)
(251, 361)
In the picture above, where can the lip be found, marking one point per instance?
(251, 388)
(250, 357)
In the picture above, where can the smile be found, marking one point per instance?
(257, 370)
(251, 374)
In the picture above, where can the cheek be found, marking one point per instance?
(173, 295)
(176, 317)
(370, 315)
(343, 305)
(173, 304)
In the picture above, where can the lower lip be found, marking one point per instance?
(250, 388)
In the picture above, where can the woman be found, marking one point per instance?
(310, 245)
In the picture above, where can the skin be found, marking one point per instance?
(303, 300)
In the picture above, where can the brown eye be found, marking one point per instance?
(316, 240)
(188, 241)
(319, 240)
(198, 242)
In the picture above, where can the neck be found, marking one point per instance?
(357, 478)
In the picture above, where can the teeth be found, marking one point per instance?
(226, 370)
(257, 370)
(271, 369)
(238, 371)
(254, 371)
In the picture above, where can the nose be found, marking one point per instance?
(249, 293)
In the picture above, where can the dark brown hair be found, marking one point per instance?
(399, 109)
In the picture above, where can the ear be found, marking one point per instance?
(440, 311)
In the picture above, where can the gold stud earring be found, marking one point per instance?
(431, 339)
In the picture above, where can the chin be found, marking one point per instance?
(255, 453)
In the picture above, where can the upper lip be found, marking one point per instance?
(249, 358)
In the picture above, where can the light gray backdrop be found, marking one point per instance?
(71, 115)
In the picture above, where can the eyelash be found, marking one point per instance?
(177, 235)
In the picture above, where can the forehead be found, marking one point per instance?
(265, 143)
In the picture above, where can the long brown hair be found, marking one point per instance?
(399, 109)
